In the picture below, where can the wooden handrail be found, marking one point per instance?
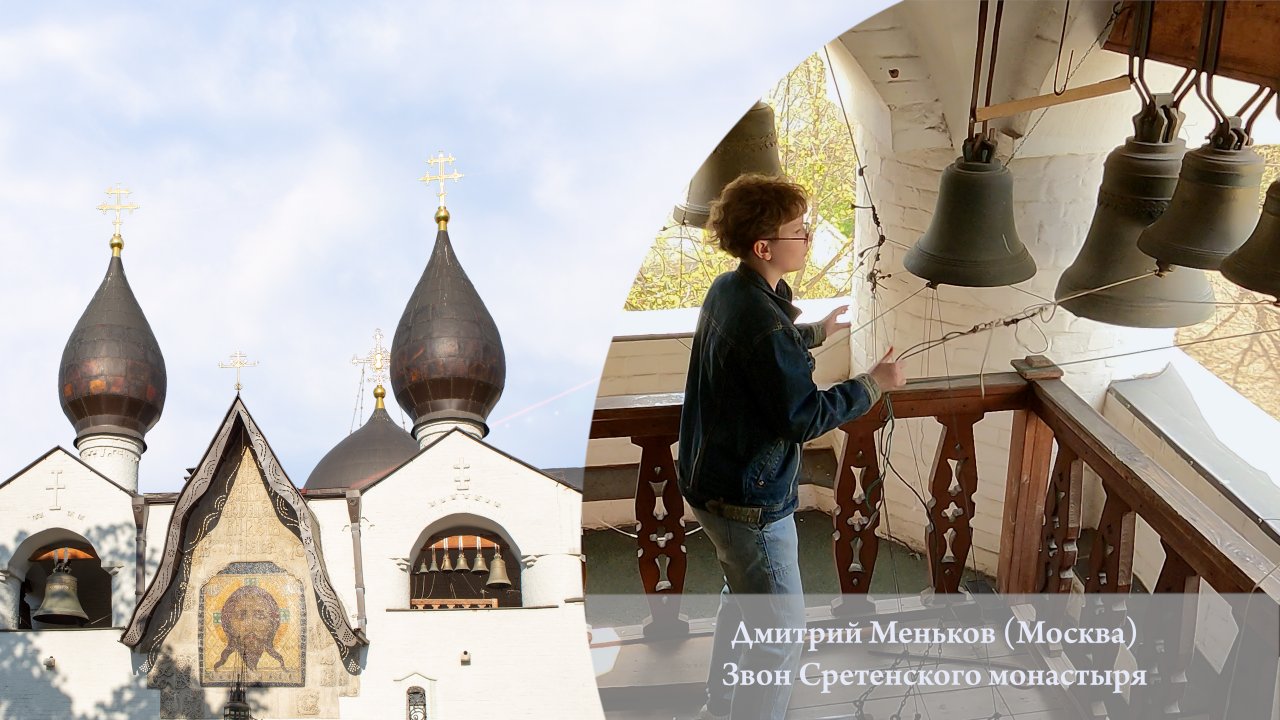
(1223, 557)
(1204, 541)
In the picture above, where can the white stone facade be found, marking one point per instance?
(530, 661)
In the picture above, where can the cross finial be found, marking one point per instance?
(117, 242)
(238, 360)
(377, 360)
(442, 215)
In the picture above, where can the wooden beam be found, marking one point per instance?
(1076, 94)
(1250, 36)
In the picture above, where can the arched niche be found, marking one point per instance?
(435, 583)
(32, 564)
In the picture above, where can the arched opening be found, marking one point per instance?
(51, 599)
(464, 562)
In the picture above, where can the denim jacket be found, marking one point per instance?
(750, 400)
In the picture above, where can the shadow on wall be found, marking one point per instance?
(91, 675)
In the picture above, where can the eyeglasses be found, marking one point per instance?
(807, 237)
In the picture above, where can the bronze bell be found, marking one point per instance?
(971, 240)
(1214, 207)
(435, 567)
(1137, 184)
(750, 147)
(480, 566)
(447, 565)
(1256, 264)
(61, 604)
(498, 572)
(463, 565)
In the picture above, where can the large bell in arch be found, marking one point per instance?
(1215, 206)
(750, 147)
(1137, 183)
(1256, 264)
(61, 604)
(971, 240)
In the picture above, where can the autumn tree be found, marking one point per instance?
(815, 147)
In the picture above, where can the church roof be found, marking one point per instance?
(112, 376)
(238, 430)
(447, 361)
(364, 456)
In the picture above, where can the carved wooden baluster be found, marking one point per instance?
(660, 530)
(1166, 647)
(1111, 558)
(948, 536)
(854, 540)
(1109, 580)
(1061, 528)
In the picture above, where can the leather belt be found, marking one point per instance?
(738, 513)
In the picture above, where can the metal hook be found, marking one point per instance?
(1057, 67)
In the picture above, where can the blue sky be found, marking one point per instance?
(275, 151)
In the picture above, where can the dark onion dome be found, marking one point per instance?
(112, 378)
(366, 455)
(447, 361)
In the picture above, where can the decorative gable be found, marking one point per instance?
(241, 592)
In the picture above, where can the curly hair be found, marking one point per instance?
(752, 207)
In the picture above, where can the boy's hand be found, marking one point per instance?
(829, 323)
(888, 374)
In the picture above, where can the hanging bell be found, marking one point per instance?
(1137, 183)
(498, 572)
(750, 147)
(422, 565)
(61, 604)
(435, 567)
(447, 565)
(480, 565)
(1214, 207)
(1256, 264)
(971, 240)
(463, 565)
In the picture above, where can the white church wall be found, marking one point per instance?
(84, 506)
(158, 516)
(524, 663)
(335, 541)
(541, 516)
(91, 677)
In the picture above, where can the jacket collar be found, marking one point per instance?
(780, 295)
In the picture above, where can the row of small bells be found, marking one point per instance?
(497, 569)
(1198, 211)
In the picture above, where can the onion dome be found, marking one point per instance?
(447, 362)
(366, 455)
(112, 378)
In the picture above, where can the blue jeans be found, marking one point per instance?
(762, 562)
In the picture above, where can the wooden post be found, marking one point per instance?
(1027, 483)
(1060, 529)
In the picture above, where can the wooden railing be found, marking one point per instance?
(1042, 505)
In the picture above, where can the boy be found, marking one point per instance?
(749, 403)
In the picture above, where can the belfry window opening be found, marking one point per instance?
(464, 569)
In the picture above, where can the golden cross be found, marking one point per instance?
(117, 206)
(238, 360)
(377, 359)
(441, 159)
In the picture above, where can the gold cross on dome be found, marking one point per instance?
(441, 159)
(119, 193)
(238, 360)
(377, 359)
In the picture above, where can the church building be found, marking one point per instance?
(423, 575)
